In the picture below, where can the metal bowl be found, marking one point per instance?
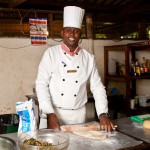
(7, 143)
(58, 139)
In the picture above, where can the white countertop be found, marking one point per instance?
(115, 140)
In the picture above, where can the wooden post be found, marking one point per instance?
(50, 24)
(89, 26)
(89, 29)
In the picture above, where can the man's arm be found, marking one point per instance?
(52, 121)
(101, 103)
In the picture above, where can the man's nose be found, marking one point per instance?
(72, 31)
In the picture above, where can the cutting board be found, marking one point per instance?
(140, 118)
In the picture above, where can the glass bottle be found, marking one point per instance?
(137, 67)
(141, 69)
(132, 67)
(117, 68)
(145, 68)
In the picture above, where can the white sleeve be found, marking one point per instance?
(42, 84)
(98, 90)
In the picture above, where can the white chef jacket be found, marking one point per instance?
(61, 81)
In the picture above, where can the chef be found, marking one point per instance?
(62, 79)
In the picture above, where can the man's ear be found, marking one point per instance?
(61, 33)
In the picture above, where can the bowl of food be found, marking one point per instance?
(43, 139)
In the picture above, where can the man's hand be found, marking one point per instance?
(105, 123)
(52, 122)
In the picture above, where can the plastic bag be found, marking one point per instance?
(27, 117)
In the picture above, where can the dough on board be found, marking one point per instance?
(146, 124)
(91, 134)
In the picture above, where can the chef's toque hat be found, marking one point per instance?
(73, 16)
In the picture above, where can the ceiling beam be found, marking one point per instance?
(16, 3)
(132, 8)
(4, 2)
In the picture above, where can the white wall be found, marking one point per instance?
(19, 62)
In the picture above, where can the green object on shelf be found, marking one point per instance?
(11, 128)
(9, 123)
(140, 118)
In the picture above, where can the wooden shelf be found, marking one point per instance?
(116, 78)
(123, 78)
(141, 77)
(129, 81)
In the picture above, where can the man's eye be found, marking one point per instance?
(72, 30)
(67, 30)
(76, 31)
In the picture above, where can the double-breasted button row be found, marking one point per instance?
(66, 53)
(62, 94)
(66, 65)
(75, 81)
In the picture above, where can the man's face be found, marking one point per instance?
(71, 36)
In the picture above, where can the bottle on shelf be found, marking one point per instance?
(122, 70)
(117, 68)
(145, 68)
(132, 68)
(141, 69)
(137, 68)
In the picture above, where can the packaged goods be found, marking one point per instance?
(27, 117)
